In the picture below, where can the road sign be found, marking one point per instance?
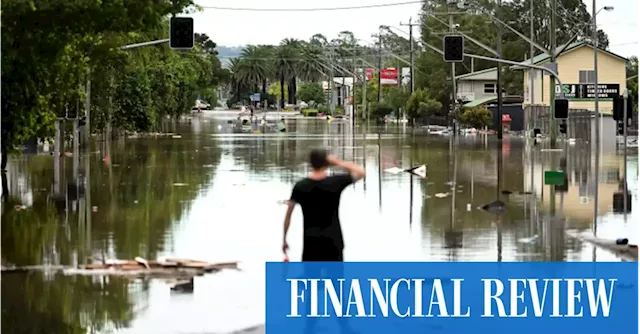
(577, 92)
(255, 97)
(553, 178)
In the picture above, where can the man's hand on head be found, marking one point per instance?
(332, 160)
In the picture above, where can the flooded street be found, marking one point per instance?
(214, 194)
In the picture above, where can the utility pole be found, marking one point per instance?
(332, 106)
(552, 97)
(531, 51)
(596, 177)
(410, 25)
(552, 83)
(364, 94)
(379, 66)
(87, 110)
(499, 81)
(353, 92)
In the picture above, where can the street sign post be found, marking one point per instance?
(255, 97)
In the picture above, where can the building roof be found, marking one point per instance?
(477, 75)
(490, 99)
(543, 57)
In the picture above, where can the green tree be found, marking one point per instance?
(476, 117)
(311, 92)
(396, 97)
(632, 81)
(422, 105)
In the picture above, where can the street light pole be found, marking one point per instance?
(598, 120)
(596, 177)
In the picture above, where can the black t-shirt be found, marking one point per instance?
(320, 200)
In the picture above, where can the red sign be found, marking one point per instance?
(389, 76)
(369, 72)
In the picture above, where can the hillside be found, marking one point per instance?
(228, 52)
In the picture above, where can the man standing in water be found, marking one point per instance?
(319, 197)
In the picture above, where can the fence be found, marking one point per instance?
(579, 123)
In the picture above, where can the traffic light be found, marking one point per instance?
(630, 105)
(563, 127)
(620, 125)
(561, 109)
(82, 121)
(453, 46)
(618, 107)
(181, 36)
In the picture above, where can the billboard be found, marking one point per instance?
(587, 92)
(389, 76)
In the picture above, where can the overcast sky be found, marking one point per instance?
(234, 28)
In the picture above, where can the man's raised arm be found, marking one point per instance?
(356, 171)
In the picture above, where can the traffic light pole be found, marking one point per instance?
(138, 45)
(453, 84)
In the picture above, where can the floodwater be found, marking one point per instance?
(213, 195)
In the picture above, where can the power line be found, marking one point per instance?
(311, 9)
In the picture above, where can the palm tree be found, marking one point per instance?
(293, 45)
(256, 66)
(285, 64)
(235, 72)
(310, 67)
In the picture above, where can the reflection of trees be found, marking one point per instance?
(34, 303)
(137, 205)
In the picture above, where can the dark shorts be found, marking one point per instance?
(322, 253)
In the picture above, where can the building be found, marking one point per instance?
(477, 85)
(575, 69)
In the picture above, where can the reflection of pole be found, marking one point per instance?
(499, 77)
(76, 151)
(87, 194)
(499, 237)
(455, 179)
(380, 170)
(410, 188)
(56, 156)
(364, 159)
(624, 119)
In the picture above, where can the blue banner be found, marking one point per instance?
(460, 298)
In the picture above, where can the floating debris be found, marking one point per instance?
(450, 183)
(495, 207)
(529, 240)
(176, 136)
(179, 184)
(172, 268)
(622, 249)
(94, 209)
(441, 195)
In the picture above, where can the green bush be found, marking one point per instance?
(324, 110)
(338, 111)
(288, 108)
(310, 112)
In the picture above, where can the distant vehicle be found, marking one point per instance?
(201, 105)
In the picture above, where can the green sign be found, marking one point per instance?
(553, 178)
(587, 92)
